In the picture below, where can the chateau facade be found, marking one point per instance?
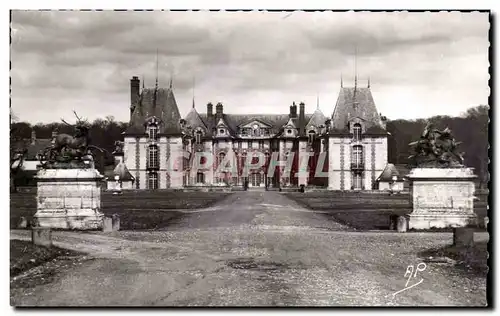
(162, 150)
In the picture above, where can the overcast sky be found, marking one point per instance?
(420, 64)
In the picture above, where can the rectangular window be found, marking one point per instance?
(153, 132)
(358, 181)
(357, 155)
(153, 161)
(152, 181)
(198, 137)
(200, 177)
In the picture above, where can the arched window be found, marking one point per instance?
(153, 161)
(357, 155)
(197, 136)
(356, 130)
(256, 130)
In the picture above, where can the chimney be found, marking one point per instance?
(293, 110)
(134, 93)
(218, 110)
(302, 118)
(54, 135)
(210, 109)
(33, 137)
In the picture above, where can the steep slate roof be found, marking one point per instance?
(276, 121)
(156, 102)
(389, 171)
(346, 109)
(317, 119)
(194, 119)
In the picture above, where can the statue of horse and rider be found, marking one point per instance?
(436, 149)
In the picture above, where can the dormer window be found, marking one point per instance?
(153, 132)
(222, 131)
(356, 130)
(311, 136)
(289, 131)
(197, 136)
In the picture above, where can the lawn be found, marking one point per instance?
(367, 210)
(472, 259)
(24, 255)
(137, 209)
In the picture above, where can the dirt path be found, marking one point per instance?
(254, 248)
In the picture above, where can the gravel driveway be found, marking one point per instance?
(252, 249)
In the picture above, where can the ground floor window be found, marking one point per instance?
(200, 177)
(357, 181)
(153, 181)
(255, 179)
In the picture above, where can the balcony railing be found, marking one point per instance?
(357, 166)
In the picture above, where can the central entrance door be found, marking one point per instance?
(255, 179)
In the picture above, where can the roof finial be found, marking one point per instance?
(193, 89)
(143, 82)
(171, 78)
(156, 84)
(368, 82)
(356, 67)
(341, 82)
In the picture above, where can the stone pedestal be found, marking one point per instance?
(69, 199)
(41, 236)
(442, 198)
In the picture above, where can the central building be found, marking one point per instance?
(347, 151)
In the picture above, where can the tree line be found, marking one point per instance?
(471, 129)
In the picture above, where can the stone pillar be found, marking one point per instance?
(69, 199)
(302, 163)
(41, 236)
(442, 197)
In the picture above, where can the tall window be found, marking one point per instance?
(200, 177)
(357, 181)
(261, 144)
(153, 132)
(311, 135)
(152, 181)
(197, 136)
(153, 161)
(356, 130)
(221, 159)
(357, 155)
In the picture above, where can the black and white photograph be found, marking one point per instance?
(250, 158)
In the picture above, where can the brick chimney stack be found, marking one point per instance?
(302, 119)
(134, 93)
(54, 135)
(210, 109)
(218, 111)
(293, 110)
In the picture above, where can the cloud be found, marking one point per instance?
(63, 59)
